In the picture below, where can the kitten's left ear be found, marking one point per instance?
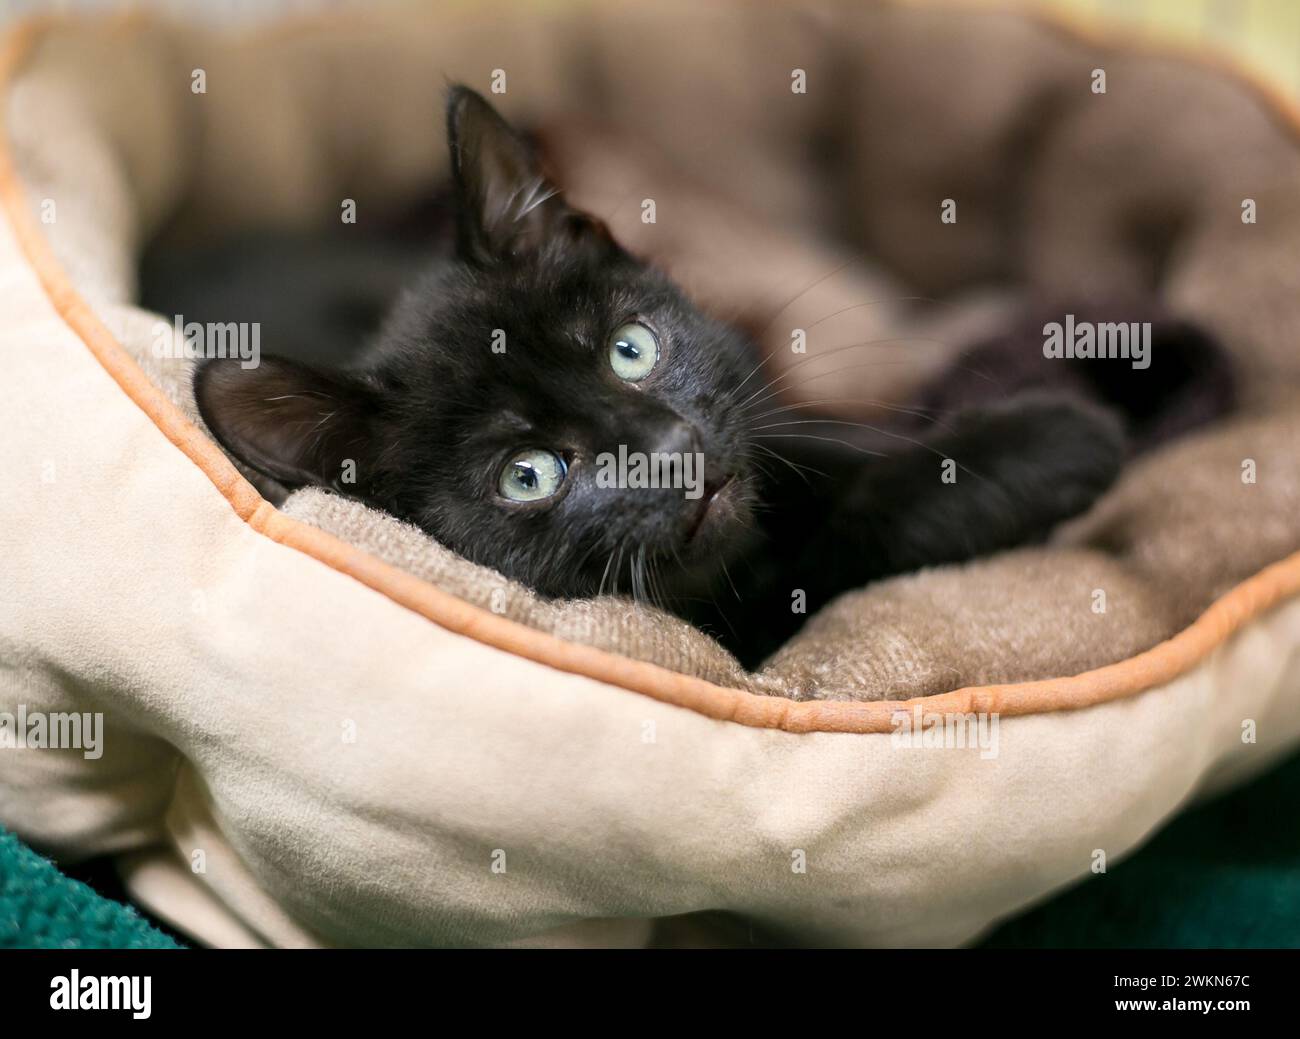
(508, 208)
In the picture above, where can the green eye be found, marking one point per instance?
(532, 476)
(633, 351)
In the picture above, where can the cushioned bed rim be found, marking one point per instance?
(1154, 667)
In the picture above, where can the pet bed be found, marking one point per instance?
(322, 729)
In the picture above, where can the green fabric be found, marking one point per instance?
(1224, 875)
(40, 908)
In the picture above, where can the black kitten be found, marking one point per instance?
(507, 381)
(480, 409)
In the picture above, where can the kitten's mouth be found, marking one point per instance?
(713, 503)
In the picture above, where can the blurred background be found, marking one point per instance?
(1264, 34)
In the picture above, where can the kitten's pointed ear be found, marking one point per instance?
(508, 208)
(295, 424)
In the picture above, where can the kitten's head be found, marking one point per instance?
(519, 397)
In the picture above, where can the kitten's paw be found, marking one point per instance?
(1071, 452)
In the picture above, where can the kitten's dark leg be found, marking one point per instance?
(1001, 476)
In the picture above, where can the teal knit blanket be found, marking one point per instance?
(41, 908)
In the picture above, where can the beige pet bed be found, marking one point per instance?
(321, 728)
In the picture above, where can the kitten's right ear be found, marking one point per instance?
(295, 424)
(508, 208)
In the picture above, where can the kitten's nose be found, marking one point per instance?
(675, 437)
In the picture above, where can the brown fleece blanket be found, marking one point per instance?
(768, 202)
